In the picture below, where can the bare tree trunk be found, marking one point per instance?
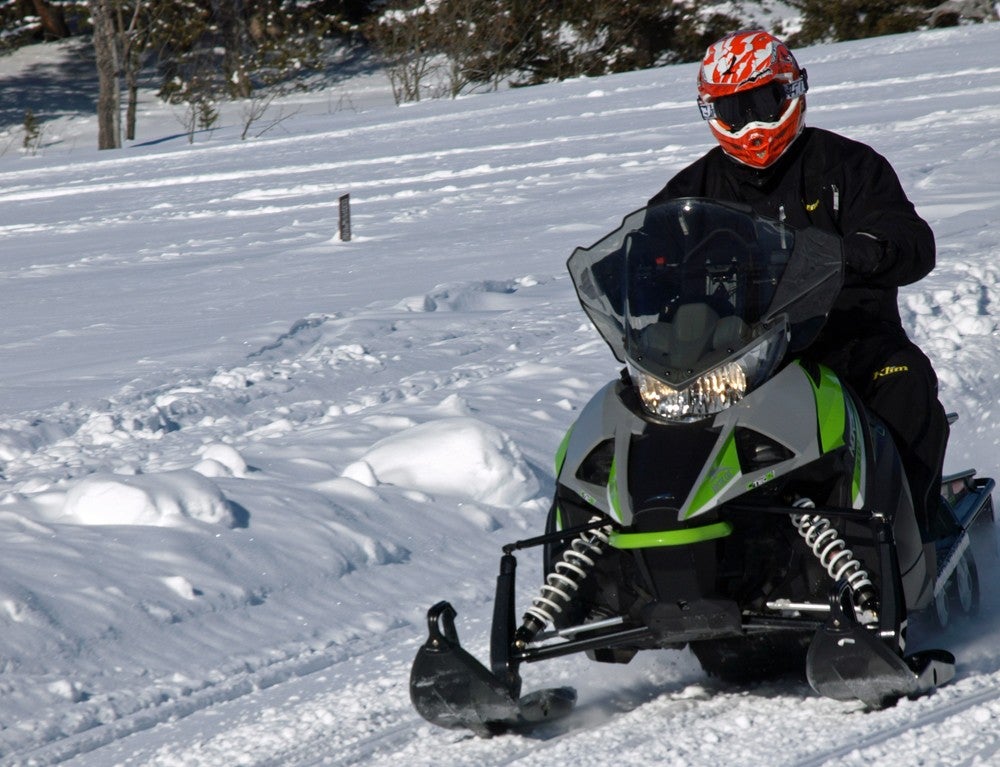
(131, 107)
(53, 20)
(109, 130)
(132, 60)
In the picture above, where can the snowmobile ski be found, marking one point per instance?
(450, 688)
(848, 661)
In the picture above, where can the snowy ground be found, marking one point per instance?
(240, 457)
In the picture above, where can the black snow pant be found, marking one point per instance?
(897, 382)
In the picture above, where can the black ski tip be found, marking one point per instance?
(450, 688)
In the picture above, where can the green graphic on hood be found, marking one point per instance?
(725, 469)
(613, 500)
(831, 411)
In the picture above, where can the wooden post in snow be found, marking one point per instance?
(345, 218)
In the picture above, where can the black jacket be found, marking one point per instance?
(841, 186)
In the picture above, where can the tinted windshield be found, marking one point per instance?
(680, 287)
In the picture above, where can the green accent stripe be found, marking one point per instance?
(671, 537)
(724, 470)
(561, 451)
(613, 498)
(857, 480)
(831, 411)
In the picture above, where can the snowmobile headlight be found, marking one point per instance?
(708, 394)
(717, 389)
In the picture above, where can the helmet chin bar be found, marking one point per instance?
(759, 145)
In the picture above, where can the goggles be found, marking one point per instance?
(764, 104)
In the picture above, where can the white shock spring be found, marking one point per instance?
(567, 575)
(831, 550)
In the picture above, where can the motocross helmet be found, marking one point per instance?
(752, 93)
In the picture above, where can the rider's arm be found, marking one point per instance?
(886, 243)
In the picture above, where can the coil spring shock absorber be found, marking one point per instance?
(830, 549)
(564, 581)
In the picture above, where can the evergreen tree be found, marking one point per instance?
(228, 48)
(856, 19)
(484, 41)
(595, 37)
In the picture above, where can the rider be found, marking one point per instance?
(752, 93)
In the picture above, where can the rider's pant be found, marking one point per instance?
(897, 382)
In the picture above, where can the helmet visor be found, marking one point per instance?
(763, 104)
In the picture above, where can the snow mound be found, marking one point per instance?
(485, 296)
(456, 457)
(167, 499)
(220, 460)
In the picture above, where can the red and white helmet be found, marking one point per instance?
(752, 92)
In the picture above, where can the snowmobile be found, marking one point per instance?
(725, 493)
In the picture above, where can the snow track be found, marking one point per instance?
(167, 707)
(967, 719)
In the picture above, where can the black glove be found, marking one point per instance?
(864, 253)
